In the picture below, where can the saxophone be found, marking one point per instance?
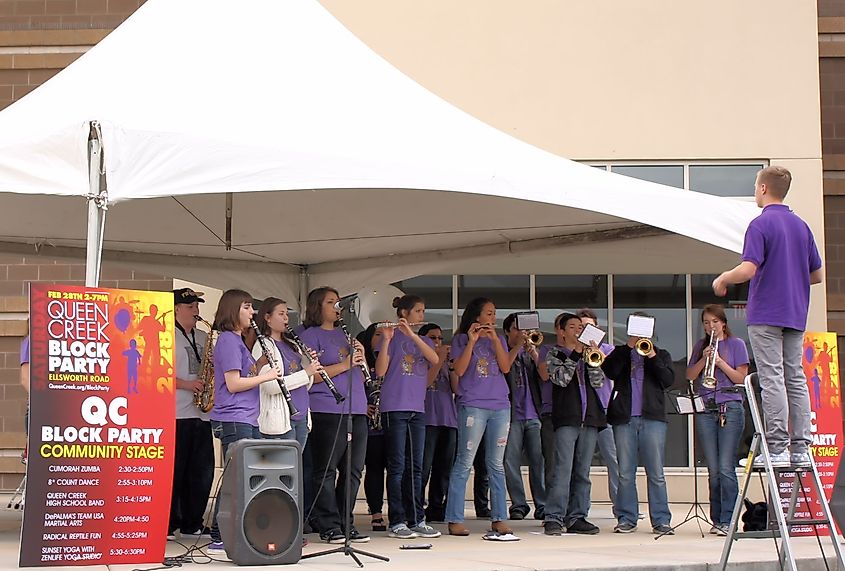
(204, 400)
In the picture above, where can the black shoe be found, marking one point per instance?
(333, 536)
(517, 514)
(552, 528)
(539, 514)
(482, 513)
(357, 537)
(583, 527)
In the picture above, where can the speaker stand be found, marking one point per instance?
(347, 548)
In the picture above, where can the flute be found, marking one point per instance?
(268, 354)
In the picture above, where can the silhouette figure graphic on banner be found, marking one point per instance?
(817, 388)
(133, 359)
(151, 326)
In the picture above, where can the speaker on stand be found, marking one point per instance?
(261, 497)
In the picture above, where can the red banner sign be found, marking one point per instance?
(102, 428)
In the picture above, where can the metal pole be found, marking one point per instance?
(97, 206)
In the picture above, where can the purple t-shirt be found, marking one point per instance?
(293, 362)
(25, 350)
(523, 403)
(483, 384)
(440, 409)
(332, 347)
(230, 354)
(407, 375)
(782, 247)
(733, 352)
(545, 386)
(637, 381)
(606, 389)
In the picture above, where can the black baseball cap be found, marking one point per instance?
(187, 295)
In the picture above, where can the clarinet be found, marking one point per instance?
(368, 379)
(269, 356)
(305, 350)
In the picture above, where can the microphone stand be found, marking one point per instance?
(347, 548)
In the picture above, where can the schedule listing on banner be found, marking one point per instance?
(102, 428)
(820, 363)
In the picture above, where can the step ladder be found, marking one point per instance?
(785, 521)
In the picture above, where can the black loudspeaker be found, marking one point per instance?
(260, 515)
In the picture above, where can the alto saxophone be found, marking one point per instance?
(204, 399)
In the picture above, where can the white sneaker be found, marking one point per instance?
(779, 460)
(800, 460)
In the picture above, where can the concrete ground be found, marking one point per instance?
(535, 551)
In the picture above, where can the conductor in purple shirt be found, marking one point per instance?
(781, 261)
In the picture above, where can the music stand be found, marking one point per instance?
(691, 404)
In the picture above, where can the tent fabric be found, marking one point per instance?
(254, 96)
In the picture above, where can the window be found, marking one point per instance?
(670, 175)
(555, 294)
(437, 293)
(508, 293)
(724, 180)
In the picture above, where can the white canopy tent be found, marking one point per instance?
(204, 107)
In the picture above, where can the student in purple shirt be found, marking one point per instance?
(524, 434)
(637, 412)
(781, 260)
(441, 426)
(328, 437)
(235, 413)
(720, 427)
(404, 360)
(481, 360)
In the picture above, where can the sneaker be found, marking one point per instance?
(422, 529)
(378, 524)
(583, 527)
(171, 536)
(517, 515)
(779, 460)
(215, 548)
(356, 536)
(625, 527)
(663, 529)
(800, 460)
(198, 533)
(722, 530)
(552, 528)
(714, 530)
(401, 531)
(333, 536)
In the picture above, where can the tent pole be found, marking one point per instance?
(97, 206)
(303, 290)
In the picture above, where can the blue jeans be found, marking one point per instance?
(473, 422)
(569, 490)
(525, 435)
(228, 433)
(607, 448)
(404, 434)
(298, 431)
(720, 444)
(642, 440)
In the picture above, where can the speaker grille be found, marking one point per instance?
(271, 521)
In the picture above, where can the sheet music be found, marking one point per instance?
(591, 333)
(639, 326)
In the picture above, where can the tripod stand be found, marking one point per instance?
(347, 548)
(696, 511)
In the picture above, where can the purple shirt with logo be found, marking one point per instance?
(782, 247)
(637, 381)
(483, 384)
(733, 352)
(545, 386)
(332, 347)
(440, 409)
(523, 403)
(407, 375)
(230, 354)
(293, 362)
(25, 350)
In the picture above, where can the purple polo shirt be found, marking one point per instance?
(406, 379)
(733, 352)
(25, 350)
(637, 380)
(483, 384)
(440, 409)
(782, 247)
(230, 354)
(293, 362)
(606, 389)
(580, 376)
(332, 347)
(545, 386)
(523, 404)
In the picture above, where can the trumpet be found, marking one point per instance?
(644, 346)
(382, 324)
(534, 338)
(708, 378)
(593, 356)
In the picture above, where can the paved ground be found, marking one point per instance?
(535, 551)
